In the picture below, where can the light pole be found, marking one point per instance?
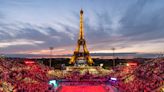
(50, 48)
(113, 57)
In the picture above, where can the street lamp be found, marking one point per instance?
(50, 48)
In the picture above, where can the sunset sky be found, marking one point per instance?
(32, 26)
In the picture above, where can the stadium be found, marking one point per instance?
(104, 58)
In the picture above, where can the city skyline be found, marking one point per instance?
(31, 27)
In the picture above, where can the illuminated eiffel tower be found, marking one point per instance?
(81, 54)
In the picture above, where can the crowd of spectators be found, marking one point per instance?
(146, 77)
(18, 76)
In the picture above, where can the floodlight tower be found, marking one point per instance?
(114, 62)
(51, 49)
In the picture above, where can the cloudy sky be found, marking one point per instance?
(32, 26)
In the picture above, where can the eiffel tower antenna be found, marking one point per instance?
(81, 53)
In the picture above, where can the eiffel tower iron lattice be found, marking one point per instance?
(84, 53)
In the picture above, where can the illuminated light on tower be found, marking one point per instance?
(51, 49)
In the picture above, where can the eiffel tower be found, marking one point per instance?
(81, 54)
